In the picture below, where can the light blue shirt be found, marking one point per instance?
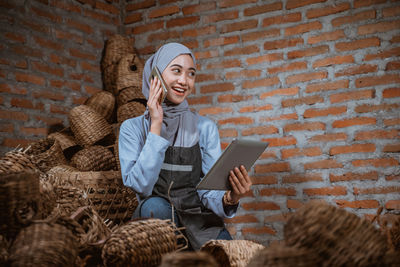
(141, 155)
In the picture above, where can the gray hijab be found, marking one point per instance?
(179, 122)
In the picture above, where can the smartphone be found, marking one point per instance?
(155, 72)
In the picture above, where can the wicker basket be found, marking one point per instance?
(106, 193)
(140, 243)
(131, 110)
(60, 169)
(16, 161)
(284, 256)
(129, 72)
(130, 94)
(19, 201)
(65, 140)
(394, 235)
(44, 244)
(339, 237)
(104, 103)
(46, 153)
(88, 126)
(116, 47)
(48, 197)
(232, 252)
(94, 158)
(109, 76)
(188, 259)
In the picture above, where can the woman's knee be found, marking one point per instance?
(156, 207)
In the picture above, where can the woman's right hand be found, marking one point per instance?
(154, 106)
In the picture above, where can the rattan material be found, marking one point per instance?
(65, 140)
(103, 102)
(116, 155)
(88, 126)
(69, 199)
(131, 110)
(188, 259)
(60, 169)
(109, 77)
(129, 94)
(4, 247)
(116, 47)
(94, 158)
(140, 243)
(394, 235)
(46, 153)
(16, 161)
(106, 192)
(44, 244)
(232, 253)
(336, 235)
(129, 72)
(48, 197)
(19, 201)
(284, 256)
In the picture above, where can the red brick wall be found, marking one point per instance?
(320, 81)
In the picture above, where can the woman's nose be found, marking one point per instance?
(182, 79)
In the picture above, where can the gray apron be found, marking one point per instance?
(182, 168)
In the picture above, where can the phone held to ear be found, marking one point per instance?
(156, 73)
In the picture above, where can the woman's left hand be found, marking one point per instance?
(240, 182)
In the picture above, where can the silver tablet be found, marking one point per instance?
(239, 152)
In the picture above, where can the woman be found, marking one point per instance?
(165, 152)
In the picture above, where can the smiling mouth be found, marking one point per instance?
(179, 90)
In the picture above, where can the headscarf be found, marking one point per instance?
(179, 122)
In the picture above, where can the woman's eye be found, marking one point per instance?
(176, 70)
(192, 74)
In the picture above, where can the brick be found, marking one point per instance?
(220, 41)
(223, 133)
(327, 10)
(63, 60)
(268, 155)
(283, 43)
(352, 176)
(281, 92)
(59, 109)
(308, 52)
(330, 137)
(229, 98)
(391, 122)
(312, 113)
(261, 130)
(5, 88)
(267, 205)
(83, 27)
(202, 100)
(363, 3)
(291, 4)
(13, 115)
(47, 69)
(358, 204)
(350, 96)
(391, 93)
(165, 35)
(239, 26)
(327, 86)
(297, 152)
(104, 18)
(242, 219)
(384, 54)
(302, 178)
(255, 10)
(264, 34)
(242, 74)
(226, 64)
(199, 31)
(264, 230)
(163, 11)
(393, 178)
(140, 5)
(393, 65)
(260, 83)
(326, 36)
(292, 17)
(236, 120)
(331, 61)
(15, 142)
(278, 191)
(15, 37)
(376, 134)
(132, 18)
(280, 141)
(264, 58)
(326, 191)
(377, 80)
(323, 164)
(29, 78)
(293, 204)
(305, 126)
(385, 26)
(148, 27)
(68, 6)
(206, 77)
(276, 218)
(48, 95)
(27, 51)
(383, 162)
(376, 190)
(220, 16)
(206, 54)
(392, 148)
(192, 9)
(221, 87)
(361, 69)
(392, 205)
(305, 77)
(395, 39)
(40, 12)
(253, 108)
(6, 127)
(231, 3)
(309, 100)
(358, 44)
(68, 36)
(263, 180)
(372, 108)
(288, 67)
(356, 148)
(33, 131)
(272, 167)
(215, 110)
(391, 11)
(26, 104)
(251, 49)
(290, 116)
(353, 121)
(369, 14)
(303, 28)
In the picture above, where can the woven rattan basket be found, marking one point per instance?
(103, 102)
(140, 243)
(232, 253)
(109, 75)
(65, 140)
(48, 197)
(60, 169)
(284, 256)
(339, 237)
(88, 126)
(106, 192)
(188, 259)
(44, 244)
(19, 201)
(129, 94)
(94, 158)
(46, 153)
(129, 72)
(116, 47)
(130, 110)
(16, 161)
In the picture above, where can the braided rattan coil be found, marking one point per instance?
(129, 72)
(129, 94)
(46, 153)
(94, 158)
(232, 253)
(16, 161)
(88, 126)
(140, 243)
(103, 102)
(130, 110)
(188, 258)
(339, 237)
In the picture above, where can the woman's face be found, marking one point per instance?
(179, 77)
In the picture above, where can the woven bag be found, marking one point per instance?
(16, 161)
(19, 201)
(339, 237)
(129, 94)
(234, 253)
(46, 153)
(88, 126)
(103, 102)
(44, 244)
(131, 110)
(284, 256)
(140, 243)
(94, 158)
(106, 193)
(188, 258)
(129, 72)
